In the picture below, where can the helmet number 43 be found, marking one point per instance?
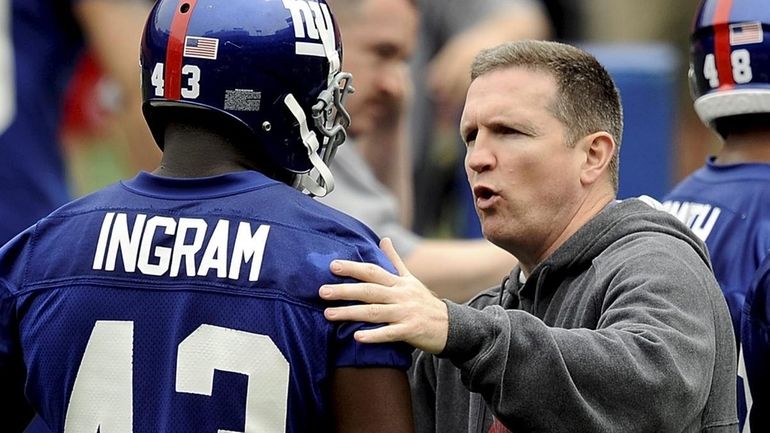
(191, 73)
(741, 66)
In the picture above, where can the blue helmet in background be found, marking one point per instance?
(272, 66)
(730, 59)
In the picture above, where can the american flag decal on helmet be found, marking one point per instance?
(201, 48)
(746, 33)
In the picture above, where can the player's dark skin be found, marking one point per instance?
(372, 400)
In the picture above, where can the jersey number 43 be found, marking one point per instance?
(96, 405)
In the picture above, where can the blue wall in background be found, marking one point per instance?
(646, 77)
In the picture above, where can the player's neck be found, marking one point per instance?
(746, 148)
(190, 151)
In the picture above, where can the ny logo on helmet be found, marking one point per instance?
(312, 21)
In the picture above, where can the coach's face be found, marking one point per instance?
(525, 178)
(378, 40)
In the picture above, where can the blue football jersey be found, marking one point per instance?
(184, 305)
(38, 51)
(728, 207)
(755, 347)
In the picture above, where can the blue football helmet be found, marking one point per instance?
(273, 66)
(730, 59)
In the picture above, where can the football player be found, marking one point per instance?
(185, 300)
(727, 201)
(755, 355)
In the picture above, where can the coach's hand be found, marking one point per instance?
(411, 312)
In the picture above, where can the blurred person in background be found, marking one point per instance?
(40, 44)
(373, 170)
(727, 201)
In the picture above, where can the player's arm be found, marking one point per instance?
(372, 400)
(113, 29)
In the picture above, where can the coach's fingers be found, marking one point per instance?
(386, 245)
(410, 333)
(423, 324)
(364, 272)
(370, 313)
(363, 292)
(384, 334)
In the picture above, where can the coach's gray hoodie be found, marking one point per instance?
(622, 329)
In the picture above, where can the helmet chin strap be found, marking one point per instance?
(319, 181)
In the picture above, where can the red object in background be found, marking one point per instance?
(498, 427)
(84, 110)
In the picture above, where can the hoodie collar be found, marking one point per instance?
(579, 251)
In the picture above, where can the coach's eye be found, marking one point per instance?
(506, 130)
(470, 136)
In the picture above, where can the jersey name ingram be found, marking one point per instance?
(141, 249)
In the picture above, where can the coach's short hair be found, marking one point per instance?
(587, 100)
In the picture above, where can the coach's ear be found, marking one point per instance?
(598, 149)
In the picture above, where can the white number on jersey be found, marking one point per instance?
(106, 406)
(740, 61)
(743, 377)
(96, 406)
(7, 68)
(191, 72)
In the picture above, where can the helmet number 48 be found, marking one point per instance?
(741, 65)
(190, 72)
